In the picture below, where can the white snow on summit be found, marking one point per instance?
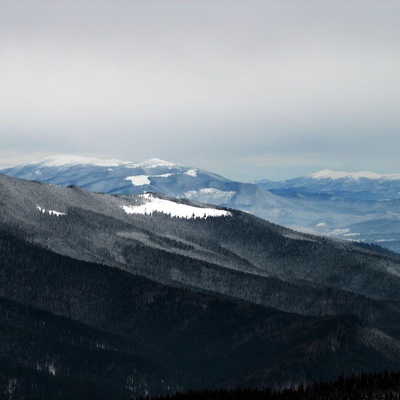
(64, 160)
(153, 163)
(154, 204)
(69, 160)
(335, 175)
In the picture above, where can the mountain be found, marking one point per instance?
(358, 206)
(337, 204)
(363, 185)
(71, 329)
(131, 295)
(154, 175)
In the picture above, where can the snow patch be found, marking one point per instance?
(138, 180)
(335, 175)
(153, 163)
(50, 212)
(70, 160)
(153, 204)
(142, 180)
(191, 172)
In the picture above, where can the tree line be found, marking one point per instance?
(366, 386)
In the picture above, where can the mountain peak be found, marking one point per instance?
(154, 163)
(65, 159)
(334, 175)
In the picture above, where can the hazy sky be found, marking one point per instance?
(247, 89)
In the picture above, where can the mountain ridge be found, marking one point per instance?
(182, 302)
(336, 204)
(246, 244)
(335, 175)
(75, 322)
(69, 159)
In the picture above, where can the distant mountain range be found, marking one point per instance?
(360, 206)
(116, 296)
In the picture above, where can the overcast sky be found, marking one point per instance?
(247, 89)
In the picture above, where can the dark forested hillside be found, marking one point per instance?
(378, 386)
(136, 304)
(67, 323)
(238, 255)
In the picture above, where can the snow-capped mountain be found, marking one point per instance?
(362, 185)
(71, 160)
(361, 206)
(352, 176)
(154, 175)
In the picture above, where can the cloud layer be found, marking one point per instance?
(243, 87)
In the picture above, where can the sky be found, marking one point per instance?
(247, 89)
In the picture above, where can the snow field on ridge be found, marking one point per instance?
(153, 204)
